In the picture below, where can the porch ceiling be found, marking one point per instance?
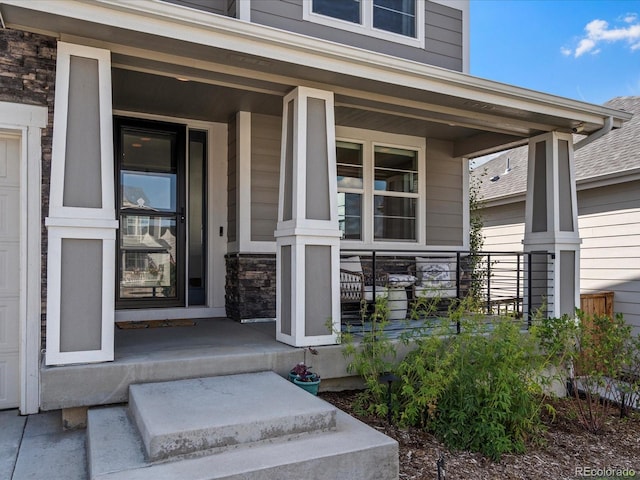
(234, 65)
(166, 95)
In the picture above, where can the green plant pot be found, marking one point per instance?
(292, 376)
(311, 387)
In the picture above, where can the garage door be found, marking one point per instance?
(9, 270)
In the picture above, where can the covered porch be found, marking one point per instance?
(307, 147)
(199, 348)
(165, 350)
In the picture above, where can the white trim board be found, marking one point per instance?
(27, 121)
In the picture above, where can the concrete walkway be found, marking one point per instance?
(35, 447)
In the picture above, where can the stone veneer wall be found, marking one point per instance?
(250, 287)
(27, 76)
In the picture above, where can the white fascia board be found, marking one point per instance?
(608, 179)
(155, 17)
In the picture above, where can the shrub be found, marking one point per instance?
(475, 390)
(372, 358)
(491, 401)
(599, 355)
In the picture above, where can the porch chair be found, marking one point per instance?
(353, 287)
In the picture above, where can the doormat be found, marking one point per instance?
(155, 324)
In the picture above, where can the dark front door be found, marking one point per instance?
(150, 161)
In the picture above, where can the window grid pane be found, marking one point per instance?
(350, 189)
(350, 215)
(396, 16)
(394, 218)
(396, 170)
(347, 10)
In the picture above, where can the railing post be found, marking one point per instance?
(518, 282)
(529, 286)
(458, 272)
(488, 284)
(373, 273)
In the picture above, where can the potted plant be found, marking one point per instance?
(302, 376)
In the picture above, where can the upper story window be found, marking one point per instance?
(400, 21)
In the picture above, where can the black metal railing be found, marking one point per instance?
(514, 284)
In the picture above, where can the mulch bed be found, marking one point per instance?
(566, 449)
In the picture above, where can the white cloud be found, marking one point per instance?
(566, 51)
(598, 31)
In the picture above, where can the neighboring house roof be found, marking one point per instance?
(615, 154)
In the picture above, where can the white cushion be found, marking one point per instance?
(436, 273)
(351, 263)
(400, 279)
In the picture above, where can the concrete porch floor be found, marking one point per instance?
(212, 347)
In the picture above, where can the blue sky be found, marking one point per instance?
(582, 49)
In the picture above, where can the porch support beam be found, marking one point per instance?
(551, 222)
(307, 234)
(81, 223)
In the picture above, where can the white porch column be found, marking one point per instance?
(81, 223)
(307, 234)
(552, 222)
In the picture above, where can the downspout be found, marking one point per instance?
(2, 21)
(608, 126)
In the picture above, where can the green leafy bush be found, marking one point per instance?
(371, 358)
(475, 390)
(600, 358)
(491, 401)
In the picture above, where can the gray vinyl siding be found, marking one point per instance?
(232, 182)
(503, 227)
(265, 175)
(443, 32)
(231, 8)
(220, 7)
(609, 223)
(444, 183)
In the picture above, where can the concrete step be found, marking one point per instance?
(314, 440)
(186, 416)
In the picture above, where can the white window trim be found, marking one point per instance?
(366, 27)
(369, 139)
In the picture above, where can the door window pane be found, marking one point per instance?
(142, 150)
(148, 251)
(197, 217)
(348, 10)
(146, 190)
(394, 218)
(396, 16)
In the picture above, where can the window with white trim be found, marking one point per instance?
(399, 21)
(380, 193)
